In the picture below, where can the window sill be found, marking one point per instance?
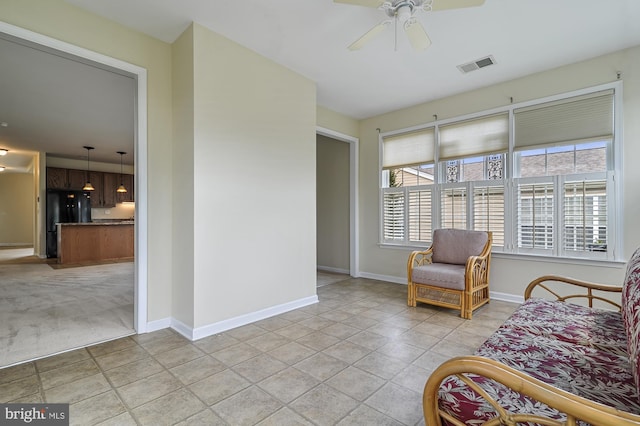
(617, 264)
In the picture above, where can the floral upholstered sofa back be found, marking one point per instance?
(631, 312)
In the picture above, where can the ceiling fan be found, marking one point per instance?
(402, 12)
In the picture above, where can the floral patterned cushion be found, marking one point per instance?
(571, 323)
(548, 341)
(631, 312)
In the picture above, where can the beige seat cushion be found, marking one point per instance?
(440, 275)
(456, 245)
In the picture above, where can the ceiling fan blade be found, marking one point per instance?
(454, 4)
(417, 35)
(369, 35)
(366, 3)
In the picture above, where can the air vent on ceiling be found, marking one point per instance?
(477, 64)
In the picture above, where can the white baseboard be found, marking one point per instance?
(182, 328)
(192, 333)
(24, 245)
(159, 324)
(388, 278)
(506, 297)
(332, 269)
(219, 327)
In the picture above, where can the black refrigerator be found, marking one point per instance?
(64, 207)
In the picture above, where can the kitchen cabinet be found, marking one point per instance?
(105, 186)
(59, 178)
(76, 178)
(109, 185)
(128, 182)
(90, 242)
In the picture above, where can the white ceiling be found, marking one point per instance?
(311, 37)
(57, 106)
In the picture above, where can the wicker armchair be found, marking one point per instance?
(453, 272)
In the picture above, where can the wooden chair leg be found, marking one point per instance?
(411, 295)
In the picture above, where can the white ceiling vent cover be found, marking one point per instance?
(477, 64)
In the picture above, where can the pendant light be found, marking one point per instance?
(87, 186)
(121, 188)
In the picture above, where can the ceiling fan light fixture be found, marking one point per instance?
(403, 13)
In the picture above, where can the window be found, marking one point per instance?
(585, 216)
(407, 177)
(545, 187)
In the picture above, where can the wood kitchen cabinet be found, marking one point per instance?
(105, 186)
(128, 182)
(109, 185)
(76, 178)
(59, 178)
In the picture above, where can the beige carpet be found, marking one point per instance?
(45, 311)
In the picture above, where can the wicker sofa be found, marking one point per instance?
(550, 363)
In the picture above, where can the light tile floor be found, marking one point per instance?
(358, 357)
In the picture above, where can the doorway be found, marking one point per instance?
(84, 56)
(338, 245)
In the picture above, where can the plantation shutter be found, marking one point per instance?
(393, 216)
(488, 211)
(408, 149)
(581, 118)
(479, 136)
(420, 228)
(534, 210)
(585, 216)
(453, 204)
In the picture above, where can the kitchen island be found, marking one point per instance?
(95, 241)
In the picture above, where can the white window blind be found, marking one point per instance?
(535, 215)
(393, 216)
(420, 227)
(585, 216)
(485, 135)
(488, 211)
(408, 149)
(453, 206)
(580, 118)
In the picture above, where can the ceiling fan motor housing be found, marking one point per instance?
(403, 9)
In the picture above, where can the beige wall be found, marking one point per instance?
(17, 207)
(337, 122)
(509, 275)
(58, 19)
(254, 242)
(233, 110)
(183, 178)
(332, 195)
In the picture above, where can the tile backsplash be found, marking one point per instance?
(120, 211)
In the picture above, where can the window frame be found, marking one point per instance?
(614, 186)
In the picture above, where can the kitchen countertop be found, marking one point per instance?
(124, 222)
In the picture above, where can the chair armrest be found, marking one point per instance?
(589, 286)
(419, 258)
(573, 406)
